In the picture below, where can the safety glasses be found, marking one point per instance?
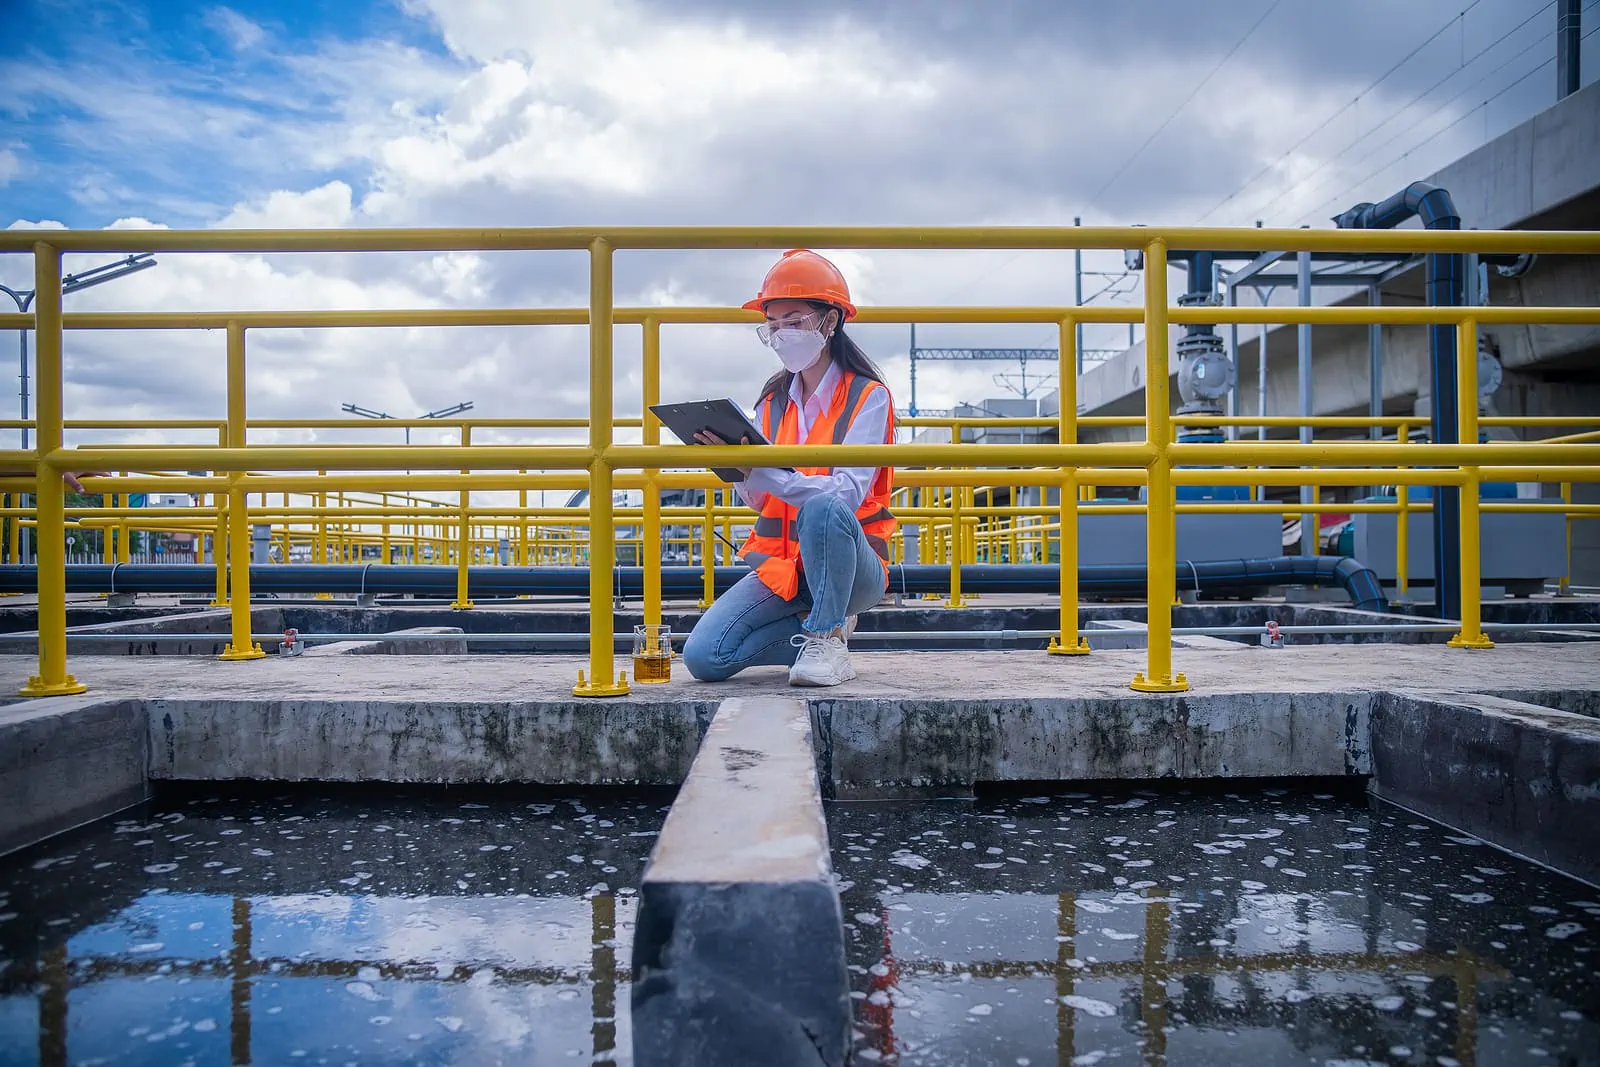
(796, 320)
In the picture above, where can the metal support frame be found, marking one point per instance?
(977, 355)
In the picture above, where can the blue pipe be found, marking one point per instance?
(1445, 282)
(1226, 576)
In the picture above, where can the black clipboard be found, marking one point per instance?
(721, 417)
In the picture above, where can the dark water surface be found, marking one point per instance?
(1259, 928)
(232, 930)
(1268, 928)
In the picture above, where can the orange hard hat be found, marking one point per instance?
(803, 275)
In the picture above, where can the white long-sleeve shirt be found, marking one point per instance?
(850, 484)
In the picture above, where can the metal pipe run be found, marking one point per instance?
(1445, 287)
(1226, 576)
(905, 636)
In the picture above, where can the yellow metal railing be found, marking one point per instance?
(241, 470)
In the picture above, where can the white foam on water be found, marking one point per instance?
(1099, 1009)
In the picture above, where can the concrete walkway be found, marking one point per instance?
(939, 676)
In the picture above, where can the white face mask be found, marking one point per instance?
(798, 349)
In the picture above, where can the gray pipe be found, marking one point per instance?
(1445, 289)
(1216, 576)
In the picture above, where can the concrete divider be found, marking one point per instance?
(881, 747)
(218, 621)
(446, 641)
(65, 761)
(298, 739)
(1524, 777)
(738, 955)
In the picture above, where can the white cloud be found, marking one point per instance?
(325, 206)
(241, 33)
(613, 112)
(10, 166)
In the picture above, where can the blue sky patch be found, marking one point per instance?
(178, 111)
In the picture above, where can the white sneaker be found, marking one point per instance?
(822, 661)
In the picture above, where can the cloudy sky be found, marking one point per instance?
(312, 113)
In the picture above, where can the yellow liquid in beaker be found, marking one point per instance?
(652, 667)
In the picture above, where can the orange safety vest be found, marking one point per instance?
(773, 551)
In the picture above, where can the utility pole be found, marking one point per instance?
(1077, 298)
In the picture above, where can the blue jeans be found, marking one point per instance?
(750, 625)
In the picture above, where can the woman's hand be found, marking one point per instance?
(707, 437)
(71, 478)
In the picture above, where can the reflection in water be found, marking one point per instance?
(1180, 929)
(302, 930)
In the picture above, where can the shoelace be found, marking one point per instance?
(808, 645)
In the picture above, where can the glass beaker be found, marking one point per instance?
(652, 653)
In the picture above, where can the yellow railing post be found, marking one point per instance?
(50, 534)
(957, 551)
(125, 533)
(238, 556)
(463, 602)
(1161, 553)
(319, 545)
(1402, 522)
(1068, 642)
(219, 540)
(602, 529)
(108, 543)
(651, 435)
(1314, 521)
(522, 526)
(1565, 585)
(1471, 635)
(708, 551)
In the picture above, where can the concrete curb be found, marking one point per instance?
(1524, 777)
(65, 761)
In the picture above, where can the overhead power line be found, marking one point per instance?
(1165, 123)
(1445, 129)
(1408, 105)
(1120, 171)
(1409, 56)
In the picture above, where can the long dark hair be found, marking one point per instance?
(841, 348)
